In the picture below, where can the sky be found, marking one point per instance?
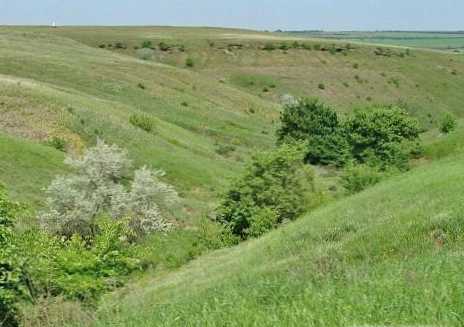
(255, 14)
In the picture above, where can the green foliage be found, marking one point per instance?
(356, 178)
(318, 125)
(57, 143)
(275, 187)
(142, 121)
(448, 123)
(11, 274)
(225, 149)
(76, 268)
(163, 46)
(147, 44)
(321, 86)
(189, 62)
(382, 135)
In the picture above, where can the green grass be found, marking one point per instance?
(70, 90)
(27, 168)
(391, 255)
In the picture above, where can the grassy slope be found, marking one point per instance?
(56, 86)
(389, 255)
(424, 80)
(53, 85)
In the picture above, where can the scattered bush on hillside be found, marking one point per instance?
(382, 135)
(147, 44)
(448, 123)
(97, 188)
(311, 121)
(357, 178)
(57, 143)
(142, 121)
(120, 45)
(164, 46)
(11, 274)
(274, 188)
(321, 86)
(224, 149)
(145, 53)
(189, 62)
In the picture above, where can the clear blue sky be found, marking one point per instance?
(257, 14)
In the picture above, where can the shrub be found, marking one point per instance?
(147, 44)
(142, 121)
(164, 46)
(318, 125)
(57, 143)
(189, 62)
(11, 274)
(448, 123)
(321, 86)
(145, 53)
(224, 149)
(78, 268)
(382, 135)
(275, 187)
(97, 188)
(120, 45)
(359, 177)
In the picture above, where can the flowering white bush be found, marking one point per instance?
(96, 188)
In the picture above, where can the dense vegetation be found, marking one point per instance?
(380, 136)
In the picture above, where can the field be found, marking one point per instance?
(391, 255)
(445, 41)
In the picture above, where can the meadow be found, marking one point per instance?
(199, 106)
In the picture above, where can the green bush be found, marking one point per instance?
(384, 136)
(57, 143)
(147, 44)
(189, 63)
(142, 121)
(318, 125)
(276, 186)
(164, 46)
(448, 123)
(321, 86)
(11, 274)
(224, 149)
(77, 268)
(359, 177)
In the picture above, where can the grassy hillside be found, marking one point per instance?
(389, 255)
(428, 82)
(56, 87)
(209, 118)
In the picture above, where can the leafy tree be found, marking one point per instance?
(97, 188)
(448, 123)
(311, 121)
(275, 187)
(382, 135)
(11, 275)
